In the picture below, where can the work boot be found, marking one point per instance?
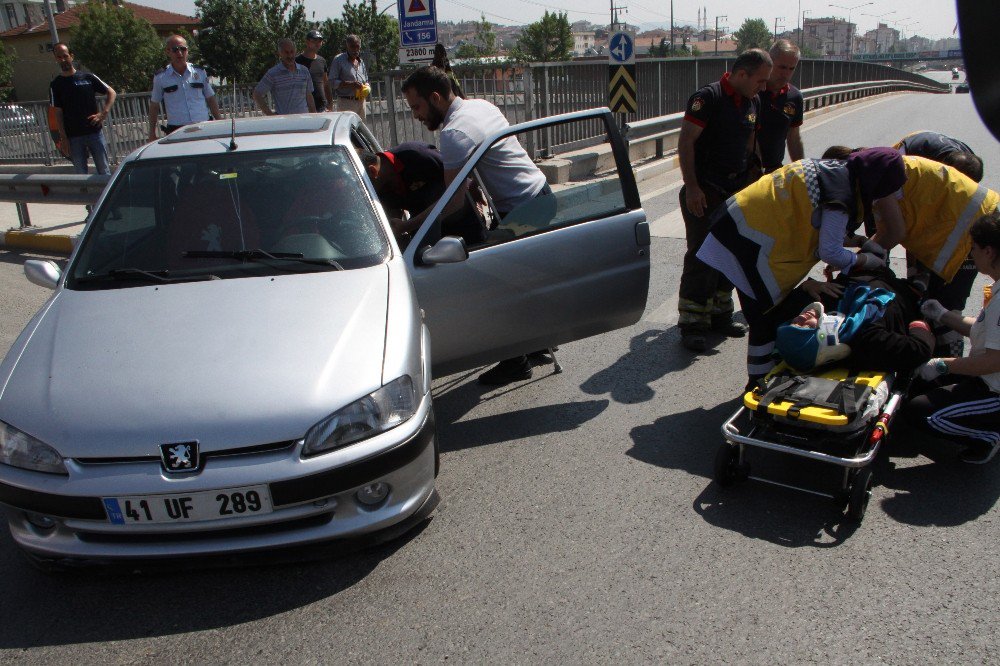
(694, 339)
(729, 326)
(511, 370)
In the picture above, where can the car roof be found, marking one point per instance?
(258, 133)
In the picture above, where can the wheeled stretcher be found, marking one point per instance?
(831, 416)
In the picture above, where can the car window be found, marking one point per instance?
(586, 187)
(230, 216)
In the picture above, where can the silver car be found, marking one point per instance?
(238, 355)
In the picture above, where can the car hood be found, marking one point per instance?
(230, 363)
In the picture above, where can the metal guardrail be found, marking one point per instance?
(658, 129)
(55, 188)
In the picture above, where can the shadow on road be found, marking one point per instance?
(515, 425)
(652, 354)
(689, 440)
(94, 607)
(945, 494)
(18, 257)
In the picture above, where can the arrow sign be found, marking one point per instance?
(621, 48)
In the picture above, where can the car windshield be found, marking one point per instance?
(230, 215)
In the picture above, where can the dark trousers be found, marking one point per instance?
(704, 291)
(967, 413)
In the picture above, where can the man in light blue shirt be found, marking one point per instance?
(290, 85)
(183, 89)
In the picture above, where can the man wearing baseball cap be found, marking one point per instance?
(316, 64)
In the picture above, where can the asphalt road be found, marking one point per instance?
(579, 523)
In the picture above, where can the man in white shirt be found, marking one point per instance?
(183, 89)
(508, 173)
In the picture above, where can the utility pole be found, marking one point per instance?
(53, 33)
(717, 32)
(671, 27)
(802, 24)
(776, 19)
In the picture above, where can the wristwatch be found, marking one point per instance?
(941, 367)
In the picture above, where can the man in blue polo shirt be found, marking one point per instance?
(781, 110)
(289, 83)
(183, 89)
(714, 147)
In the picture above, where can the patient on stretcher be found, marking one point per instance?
(875, 325)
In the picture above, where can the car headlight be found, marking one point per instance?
(19, 449)
(375, 413)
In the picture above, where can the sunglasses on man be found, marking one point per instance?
(179, 49)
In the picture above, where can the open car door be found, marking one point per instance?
(563, 266)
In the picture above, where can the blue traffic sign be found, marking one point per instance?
(621, 48)
(417, 22)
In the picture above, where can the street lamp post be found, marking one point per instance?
(776, 19)
(802, 23)
(850, 31)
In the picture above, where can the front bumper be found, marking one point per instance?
(308, 508)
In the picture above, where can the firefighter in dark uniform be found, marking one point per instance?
(781, 110)
(715, 145)
(952, 295)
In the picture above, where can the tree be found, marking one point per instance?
(547, 40)
(238, 38)
(753, 34)
(7, 59)
(114, 43)
(378, 32)
(485, 44)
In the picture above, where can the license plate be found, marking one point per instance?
(189, 507)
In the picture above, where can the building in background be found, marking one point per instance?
(829, 35)
(35, 67)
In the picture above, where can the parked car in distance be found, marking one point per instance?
(238, 355)
(962, 88)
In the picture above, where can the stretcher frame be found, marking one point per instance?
(856, 483)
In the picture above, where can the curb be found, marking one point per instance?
(33, 240)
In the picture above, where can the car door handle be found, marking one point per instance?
(642, 238)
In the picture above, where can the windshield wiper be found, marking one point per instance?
(257, 255)
(145, 276)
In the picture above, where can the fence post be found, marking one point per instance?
(23, 219)
(528, 86)
(547, 132)
(390, 108)
(659, 88)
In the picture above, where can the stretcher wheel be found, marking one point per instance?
(860, 493)
(728, 469)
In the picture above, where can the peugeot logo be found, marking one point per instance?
(180, 456)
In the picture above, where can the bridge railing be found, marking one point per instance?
(521, 91)
(663, 130)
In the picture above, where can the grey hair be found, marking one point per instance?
(352, 38)
(784, 47)
(284, 40)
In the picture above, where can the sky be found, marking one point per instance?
(928, 18)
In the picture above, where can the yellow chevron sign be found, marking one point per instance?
(621, 89)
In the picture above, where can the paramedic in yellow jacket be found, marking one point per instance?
(769, 235)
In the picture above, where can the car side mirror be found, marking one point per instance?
(448, 250)
(44, 273)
